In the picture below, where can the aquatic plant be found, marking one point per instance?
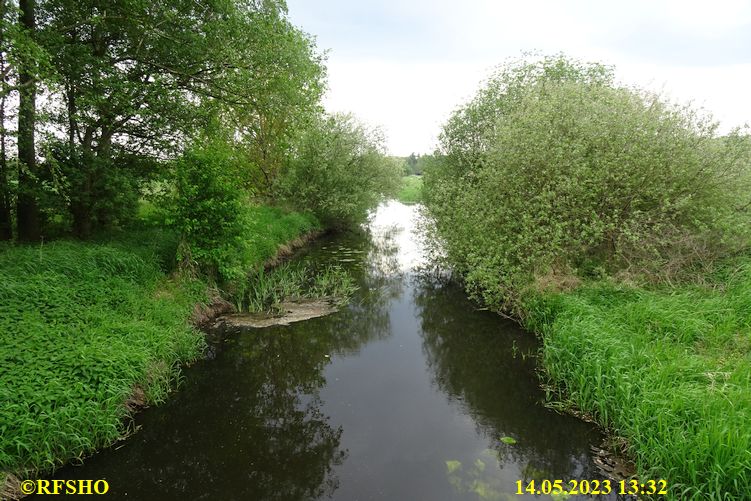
(267, 289)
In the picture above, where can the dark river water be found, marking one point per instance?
(409, 393)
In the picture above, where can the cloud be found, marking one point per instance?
(406, 65)
(408, 100)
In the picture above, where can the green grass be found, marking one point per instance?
(82, 325)
(669, 370)
(271, 227)
(267, 289)
(411, 190)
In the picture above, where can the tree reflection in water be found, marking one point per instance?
(486, 365)
(262, 434)
(251, 422)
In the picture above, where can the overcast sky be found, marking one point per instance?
(405, 65)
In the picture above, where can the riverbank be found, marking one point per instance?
(93, 331)
(410, 191)
(408, 378)
(667, 371)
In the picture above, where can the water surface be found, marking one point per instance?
(409, 393)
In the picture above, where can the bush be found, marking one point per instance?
(339, 172)
(208, 207)
(553, 170)
(223, 235)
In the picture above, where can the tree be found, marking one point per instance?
(278, 81)
(27, 209)
(139, 79)
(553, 171)
(339, 171)
(6, 219)
(412, 162)
(124, 89)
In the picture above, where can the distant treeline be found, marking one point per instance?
(415, 164)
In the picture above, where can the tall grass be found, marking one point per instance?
(669, 370)
(268, 289)
(270, 227)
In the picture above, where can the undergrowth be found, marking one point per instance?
(667, 369)
(83, 326)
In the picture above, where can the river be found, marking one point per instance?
(409, 393)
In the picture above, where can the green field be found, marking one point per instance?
(411, 190)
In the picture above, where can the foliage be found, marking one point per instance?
(122, 92)
(198, 103)
(222, 234)
(553, 177)
(266, 290)
(666, 369)
(552, 170)
(279, 81)
(469, 132)
(410, 164)
(83, 326)
(411, 190)
(414, 165)
(209, 209)
(339, 172)
(22, 61)
(117, 93)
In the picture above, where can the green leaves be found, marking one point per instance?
(80, 326)
(222, 234)
(552, 171)
(339, 171)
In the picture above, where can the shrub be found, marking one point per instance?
(208, 207)
(339, 172)
(552, 169)
(223, 234)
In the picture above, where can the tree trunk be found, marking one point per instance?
(80, 206)
(81, 213)
(6, 223)
(27, 210)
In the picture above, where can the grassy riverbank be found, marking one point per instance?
(90, 331)
(556, 177)
(668, 370)
(411, 190)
